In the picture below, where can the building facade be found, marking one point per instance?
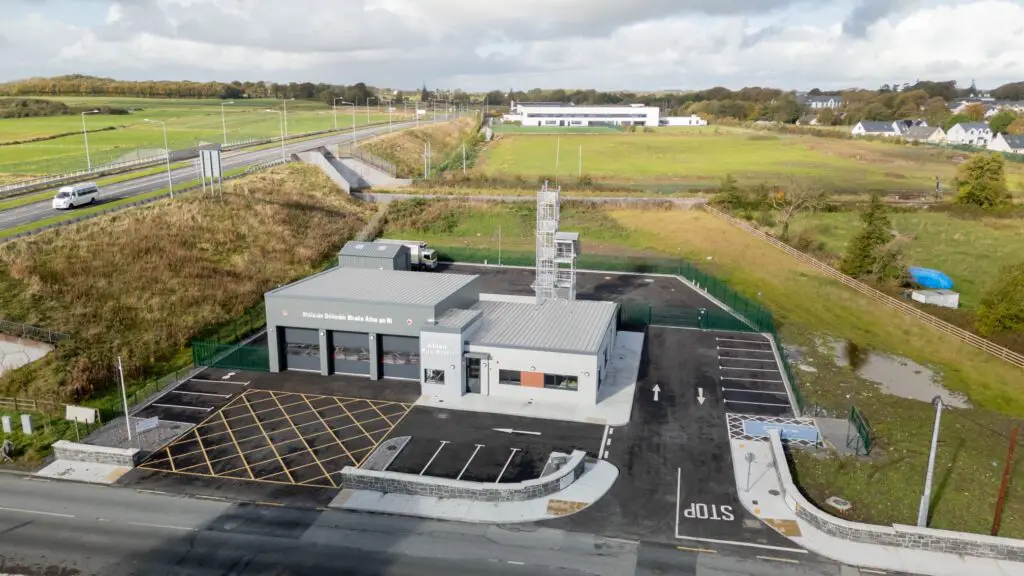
(567, 115)
(874, 128)
(691, 120)
(1009, 143)
(438, 329)
(381, 256)
(972, 133)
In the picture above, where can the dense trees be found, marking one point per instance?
(981, 181)
(873, 252)
(1002, 305)
(1001, 121)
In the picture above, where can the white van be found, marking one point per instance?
(75, 195)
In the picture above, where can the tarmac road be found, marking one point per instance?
(230, 160)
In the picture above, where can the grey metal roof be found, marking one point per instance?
(876, 126)
(371, 249)
(557, 325)
(921, 131)
(369, 285)
(1015, 141)
(974, 126)
(458, 318)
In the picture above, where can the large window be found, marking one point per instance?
(433, 376)
(510, 377)
(559, 382)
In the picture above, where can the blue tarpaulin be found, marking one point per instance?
(929, 278)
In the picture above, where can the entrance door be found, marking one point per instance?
(473, 375)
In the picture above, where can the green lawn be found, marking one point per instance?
(969, 251)
(189, 122)
(517, 129)
(806, 304)
(701, 157)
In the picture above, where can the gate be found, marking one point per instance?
(232, 356)
(858, 433)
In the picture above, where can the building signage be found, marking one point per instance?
(432, 349)
(347, 317)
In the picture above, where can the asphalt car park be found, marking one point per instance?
(750, 377)
(471, 461)
(195, 399)
(281, 438)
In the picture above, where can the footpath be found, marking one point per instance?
(772, 496)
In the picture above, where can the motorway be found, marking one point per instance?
(229, 160)
(69, 529)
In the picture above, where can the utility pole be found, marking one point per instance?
(1000, 500)
(922, 511)
(463, 158)
(124, 398)
(85, 136)
(223, 121)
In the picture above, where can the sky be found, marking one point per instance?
(638, 45)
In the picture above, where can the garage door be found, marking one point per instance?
(351, 352)
(400, 356)
(301, 349)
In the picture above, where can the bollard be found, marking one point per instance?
(26, 424)
(6, 420)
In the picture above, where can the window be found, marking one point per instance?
(510, 377)
(559, 382)
(431, 376)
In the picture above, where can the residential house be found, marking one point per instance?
(823, 102)
(1010, 143)
(932, 134)
(808, 120)
(902, 126)
(875, 128)
(973, 133)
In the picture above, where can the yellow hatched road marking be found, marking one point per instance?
(331, 430)
(305, 443)
(238, 448)
(207, 458)
(283, 467)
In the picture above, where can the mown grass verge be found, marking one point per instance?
(405, 149)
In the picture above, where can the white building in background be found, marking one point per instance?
(973, 133)
(1010, 143)
(557, 114)
(691, 120)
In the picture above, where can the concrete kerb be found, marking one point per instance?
(65, 450)
(416, 485)
(897, 535)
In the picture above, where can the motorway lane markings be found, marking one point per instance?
(167, 526)
(773, 558)
(689, 549)
(39, 512)
(516, 562)
(870, 571)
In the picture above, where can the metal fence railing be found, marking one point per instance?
(941, 325)
(376, 162)
(48, 181)
(36, 333)
(13, 404)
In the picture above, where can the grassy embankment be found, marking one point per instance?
(405, 149)
(143, 283)
(884, 488)
(188, 122)
(671, 160)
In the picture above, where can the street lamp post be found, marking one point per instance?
(391, 105)
(223, 121)
(922, 510)
(167, 156)
(334, 106)
(85, 136)
(354, 139)
(285, 101)
(368, 98)
(280, 120)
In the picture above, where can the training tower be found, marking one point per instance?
(556, 251)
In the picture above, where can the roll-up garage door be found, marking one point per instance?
(400, 356)
(351, 352)
(302, 349)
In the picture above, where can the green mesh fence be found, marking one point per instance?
(638, 314)
(233, 356)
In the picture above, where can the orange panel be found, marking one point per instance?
(532, 379)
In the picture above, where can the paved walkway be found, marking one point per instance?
(772, 509)
(596, 480)
(91, 472)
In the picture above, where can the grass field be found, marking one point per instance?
(701, 157)
(517, 129)
(142, 283)
(189, 122)
(405, 149)
(883, 489)
(970, 251)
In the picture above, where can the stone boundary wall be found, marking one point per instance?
(898, 535)
(416, 485)
(64, 450)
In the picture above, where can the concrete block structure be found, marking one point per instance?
(375, 255)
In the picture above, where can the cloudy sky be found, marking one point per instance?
(521, 44)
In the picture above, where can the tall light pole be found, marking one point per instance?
(285, 101)
(124, 398)
(391, 105)
(334, 106)
(280, 120)
(85, 135)
(368, 98)
(170, 185)
(223, 121)
(354, 139)
(922, 510)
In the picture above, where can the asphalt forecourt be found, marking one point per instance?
(195, 399)
(283, 438)
(751, 381)
(515, 461)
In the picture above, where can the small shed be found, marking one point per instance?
(374, 255)
(940, 297)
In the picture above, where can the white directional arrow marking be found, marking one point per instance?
(228, 376)
(511, 431)
(700, 396)
(656, 390)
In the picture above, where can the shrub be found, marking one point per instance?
(1002, 306)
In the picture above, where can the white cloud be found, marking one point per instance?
(605, 44)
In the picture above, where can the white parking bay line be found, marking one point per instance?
(751, 380)
(746, 350)
(747, 369)
(720, 358)
(478, 447)
(738, 340)
(507, 462)
(757, 403)
(601, 450)
(201, 393)
(776, 392)
(182, 407)
(436, 452)
(219, 381)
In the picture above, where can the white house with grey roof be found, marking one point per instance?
(440, 330)
(972, 133)
(931, 134)
(1009, 143)
(875, 128)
